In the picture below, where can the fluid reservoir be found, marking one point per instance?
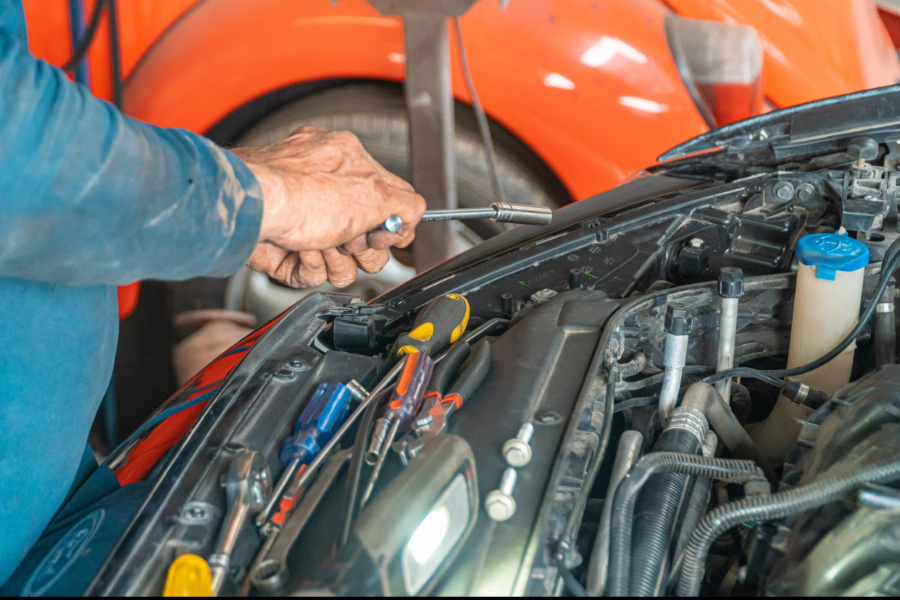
(826, 307)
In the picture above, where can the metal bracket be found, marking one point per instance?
(429, 99)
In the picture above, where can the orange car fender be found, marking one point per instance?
(590, 87)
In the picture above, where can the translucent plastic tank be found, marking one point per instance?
(826, 308)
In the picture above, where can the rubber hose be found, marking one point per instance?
(633, 366)
(696, 507)
(732, 470)
(476, 369)
(769, 507)
(656, 513)
(351, 490)
(706, 399)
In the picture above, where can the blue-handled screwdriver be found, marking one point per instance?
(324, 414)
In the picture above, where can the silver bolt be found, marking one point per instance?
(517, 451)
(543, 296)
(499, 504)
(805, 192)
(696, 243)
(423, 422)
(784, 190)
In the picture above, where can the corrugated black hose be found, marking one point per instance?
(656, 513)
(736, 471)
(766, 508)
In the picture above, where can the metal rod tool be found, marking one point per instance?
(499, 212)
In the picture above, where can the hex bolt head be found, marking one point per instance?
(423, 422)
(499, 504)
(806, 192)
(678, 321)
(517, 451)
(784, 190)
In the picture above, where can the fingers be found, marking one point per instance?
(372, 261)
(341, 268)
(308, 129)
(357, 245)
(311, 269)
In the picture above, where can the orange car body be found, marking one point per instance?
(589, 85)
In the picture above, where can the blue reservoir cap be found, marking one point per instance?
(830, 252)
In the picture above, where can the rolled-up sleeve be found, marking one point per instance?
(90, 196)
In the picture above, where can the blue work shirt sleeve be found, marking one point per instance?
(90, 196)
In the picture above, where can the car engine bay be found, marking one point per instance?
(638, 418)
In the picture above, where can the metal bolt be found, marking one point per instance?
(517, 451)
(499, 504)
(784, 190)
(299, 365)
(696, 243)
(805, 192)
(543, 296)
(423, 422)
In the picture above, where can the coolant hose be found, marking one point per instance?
(696, 507)
(766, 508)
(732, 470)
(656, 513)
(704, 398)
(633, 366)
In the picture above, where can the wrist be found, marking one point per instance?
(272, 224)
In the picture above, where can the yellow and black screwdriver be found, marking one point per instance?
(437, 326)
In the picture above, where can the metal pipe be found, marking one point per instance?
(628, 453)
(731, 288)
(678, 326)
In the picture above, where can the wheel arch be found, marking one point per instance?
(209, 69)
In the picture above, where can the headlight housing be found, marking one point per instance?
(721, 65)
(411, 531)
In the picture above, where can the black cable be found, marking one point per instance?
(87, 39)
(893, 261)
(115, 54)
(479, 114)
(572, 584)
(612, 377)
(351, 491)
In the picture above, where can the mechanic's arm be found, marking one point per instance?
(89, 196)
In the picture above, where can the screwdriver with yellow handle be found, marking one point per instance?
(188, 577)
(438, 325)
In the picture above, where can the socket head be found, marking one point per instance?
(517, 452)
(731, 282)
(500, 506)
(393, 223)
(678, 321)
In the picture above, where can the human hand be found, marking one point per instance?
(323, 195)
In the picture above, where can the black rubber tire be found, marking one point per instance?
(376, 113)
